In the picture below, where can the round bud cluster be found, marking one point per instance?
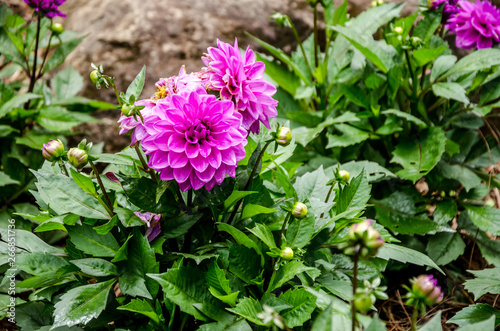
(364, 239)
(57, 28)
(283, 136)
(94, 76)
(424, 290)
(53, 150)
(78, 157)
(299, 210)
(398, 30)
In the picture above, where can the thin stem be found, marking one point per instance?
(259, 158)
(414, 317)
(190, 201)
(299, 42)
(283, 227)
(249, 181)
(33, 77)
(116, 91)
(354, 286)
(106, 197)
(63, 168)
(315, 27)
(40, 73)
(151, 172)
(110, 212)
(328, 197)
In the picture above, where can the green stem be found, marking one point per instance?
(354, 286)
(151, 172)
(283, 227)
(297, 37)
(112, 81)
(249, 181)
(106, 197)
(33, 77)
(63, 168)
(414, 317)
(40, 73)
(315, 30)
(328, 197)
(110, 212)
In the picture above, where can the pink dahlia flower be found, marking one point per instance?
(195, 139)
(240, 79)
(449, 9)
(165, 88)
(49, 8)
(475, 24)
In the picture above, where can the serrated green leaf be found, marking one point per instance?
(475, 61)
(82, 304)
(135, 88)
(350, 136)
(134, 285)
(235, 197)
(251, 210)
(84, 182)
(299, 231)
(406, 116)
(142, 307)
(239, 237)
(354, 195)
(285, 273)
(485, 218)
(67, 83)
(445, 247)
(434, 324)
(89, 241)
(31, 242)
(486, 281)
(405, 255)
(16, 102)
(262, 232)
(61, 53)
(96, 267)
(66, 196)
(303, 304)
(423, 56)
(185, 286)
(248, 308)
(470, 317)
(418, 157)
(449, 90)
(40, 264)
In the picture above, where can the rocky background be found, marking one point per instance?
(124, 35)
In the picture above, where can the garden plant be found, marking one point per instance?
(316, 190)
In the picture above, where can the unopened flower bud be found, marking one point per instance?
(425, 289)
(94, 76)
(380, 2)
(284, 136)
(363, 302)
(344, 176)
(374, 3)
(78, 157)
(363, 239)
(287, 253)
(128, 110)
(52, 150)
(490, 203)
(299, 210)
(398, 30)
(57, 28)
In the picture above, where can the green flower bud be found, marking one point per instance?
(374, 3)
(380, 2)
(57, 28)
(284, 136)
(363, 302)
(53, 150)
(128, 110)
(452, 193)
(94, 76)
(343, 176)
(490, 203)
(362, 238)
(398, 30)
(78, 157)
(287, 253)
(299, 210)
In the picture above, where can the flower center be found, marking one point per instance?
(198, 132)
